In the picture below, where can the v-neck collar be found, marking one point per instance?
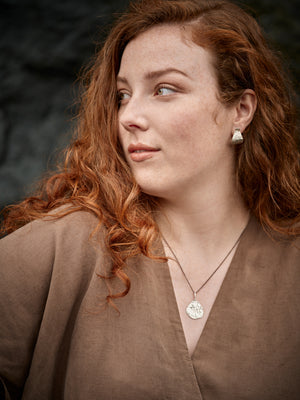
(213, 312)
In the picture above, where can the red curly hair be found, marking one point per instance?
(95, 176)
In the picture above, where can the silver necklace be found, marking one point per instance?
(195, 309)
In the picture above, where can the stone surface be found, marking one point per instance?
(43, 44)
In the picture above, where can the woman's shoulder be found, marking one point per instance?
(53, 241)
(61, 218)
(50, 260)
(62, 222)
(267, 247)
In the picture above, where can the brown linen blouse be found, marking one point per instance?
(58, 342)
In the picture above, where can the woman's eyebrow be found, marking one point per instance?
(161, 72)
(155, 74)
(120, 79)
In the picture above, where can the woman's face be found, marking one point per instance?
(174, 132)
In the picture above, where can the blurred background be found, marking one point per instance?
(43, 46)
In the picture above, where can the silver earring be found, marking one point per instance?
(237, 137)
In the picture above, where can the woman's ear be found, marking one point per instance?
(245, 109)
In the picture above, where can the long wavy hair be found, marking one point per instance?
(95, 176)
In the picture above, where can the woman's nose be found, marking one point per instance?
(132, 115)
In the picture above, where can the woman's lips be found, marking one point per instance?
(141, 152)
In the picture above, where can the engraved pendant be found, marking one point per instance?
(195, 310)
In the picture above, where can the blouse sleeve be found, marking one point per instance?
(26, 260)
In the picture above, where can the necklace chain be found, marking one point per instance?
(195, 309)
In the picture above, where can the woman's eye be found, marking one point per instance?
(164, 91)
(122, 96)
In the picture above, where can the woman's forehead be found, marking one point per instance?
(164, 47)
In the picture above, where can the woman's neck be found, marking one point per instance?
(208, 221)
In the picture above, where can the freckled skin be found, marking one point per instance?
(179, 113)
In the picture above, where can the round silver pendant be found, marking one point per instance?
(195, 310)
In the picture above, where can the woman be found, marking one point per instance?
(185, 152)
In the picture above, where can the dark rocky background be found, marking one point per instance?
(44, 44)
